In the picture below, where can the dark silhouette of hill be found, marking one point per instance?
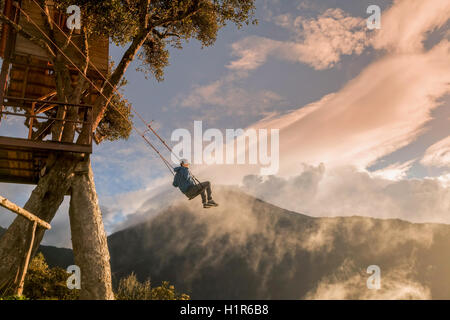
(56, 257)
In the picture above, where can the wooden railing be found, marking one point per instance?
(38, 110)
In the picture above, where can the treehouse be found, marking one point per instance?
(28, 88)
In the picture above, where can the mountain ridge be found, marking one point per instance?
(249, 249)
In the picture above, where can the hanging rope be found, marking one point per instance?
(166, 162)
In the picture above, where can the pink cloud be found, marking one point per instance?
(319, 42)
(406, 24)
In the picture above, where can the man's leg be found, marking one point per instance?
(207, 186)
(203, 194)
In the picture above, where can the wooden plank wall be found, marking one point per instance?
(99, 47)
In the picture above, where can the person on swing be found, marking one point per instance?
(186, 183)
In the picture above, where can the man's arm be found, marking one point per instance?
(175, 181)
(187, 175)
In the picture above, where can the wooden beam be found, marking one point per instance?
(45, 108)
(27, 262)
(19, 180)
(49, 102)
(5, 203)
(47, 96)
(18, 169)
(44, 145)
(16, 160)
(24, 115)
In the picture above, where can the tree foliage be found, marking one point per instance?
(43, 282)
(148, 28)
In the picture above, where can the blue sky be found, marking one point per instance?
(280, 68)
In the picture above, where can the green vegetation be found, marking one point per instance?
(45, 283)
(131, 289)
(14, 298)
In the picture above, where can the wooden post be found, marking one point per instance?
(30, 129)
(5, 203)
(27, 261)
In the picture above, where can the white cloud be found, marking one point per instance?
(397, 284)
(396, 171)
(319, 42)
(347, 191)
(438, 155)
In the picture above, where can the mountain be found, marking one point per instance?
(56, 257)
(249, 249)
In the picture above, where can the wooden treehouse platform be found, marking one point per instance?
(22, 160)
(28, 90)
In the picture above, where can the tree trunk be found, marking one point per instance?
(89, 240)
(44, 203)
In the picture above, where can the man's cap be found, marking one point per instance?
(184, 161)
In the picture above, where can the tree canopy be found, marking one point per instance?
(149, 27)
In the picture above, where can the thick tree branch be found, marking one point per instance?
(145, 14)
(108, 88)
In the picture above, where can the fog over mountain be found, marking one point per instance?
(250, 249)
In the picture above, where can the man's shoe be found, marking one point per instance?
(212, 203)
(206, 206)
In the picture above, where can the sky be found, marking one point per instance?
(363, 114)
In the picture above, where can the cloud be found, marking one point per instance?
(386, 107)
(59, 235)
(228, 97)
(130, 208)
(438, 155)
(346, 191)
(319, 42)
(406, 24)
(383, 109)
(396, 171)
(16, 193)
(396, 284)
